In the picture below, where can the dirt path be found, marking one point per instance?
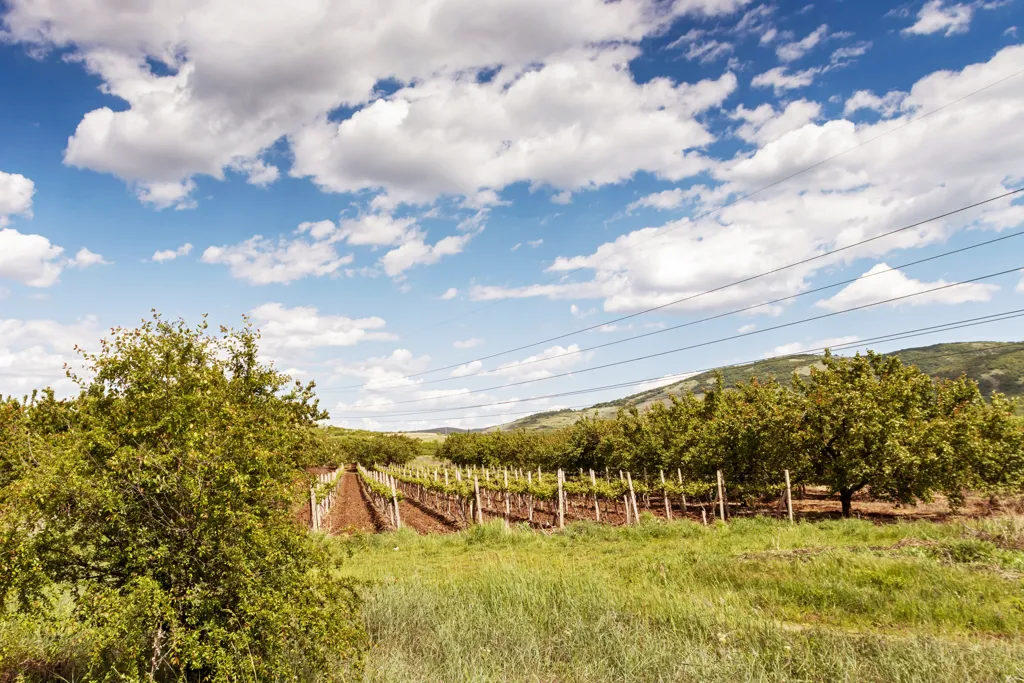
(351, 511)
(422, 519)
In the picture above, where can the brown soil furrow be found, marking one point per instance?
(422, 519)
(351, 511)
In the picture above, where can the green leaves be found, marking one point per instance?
(170, 481)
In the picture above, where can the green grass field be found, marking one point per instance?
(757, 600)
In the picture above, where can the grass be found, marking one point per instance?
(755, 600)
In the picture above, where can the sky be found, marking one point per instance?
(402, 195)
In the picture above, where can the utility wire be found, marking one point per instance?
(735, 201)
(687, 298)
(731, 337)
(583, 408)
(701, 320)
(895, 336)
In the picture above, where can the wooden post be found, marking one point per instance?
(314, 521)
(507, 509)
(597, 508)
(679, 471)
(664, 490)
(394, 500)
(789, 498)
(529, 497)
(704, 516)
(721, 497)
(538, 474)
(632, 498)
(561, 500)
(479, 510)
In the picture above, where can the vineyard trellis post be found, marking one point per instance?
(593, 485)
(479, 509)
(394, 502)
(721, 495)
(632, 498)
(561, 500)
(664, 491)
(789, 498)
(507, 508)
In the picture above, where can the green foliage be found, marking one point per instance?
(368, 448)
(866, 422)
(161, 500)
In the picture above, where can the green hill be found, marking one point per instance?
(996, 366)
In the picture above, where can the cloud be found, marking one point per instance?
(533, 244)
(468, 343)
(1020, 285)
(800, 347)
(790, 52)
(376, 229)
(207, 88)
(747, 328)
(844, 54)
(663, 201)
(548, 362)
(417, 252)
(577, 312)
(384, 373)
(707, 51)
(894, 181)
(303, 327)
(33, 353)
(450, 293)
(15, 196)
(895, 283)
(764, 124)
(563, 197)
(467, 369)
(516, 246)
(936, 16)
(171, 254)
(33, 261)
(579, 121)
(1011, 32)
(782, 80)
(84, 258)
(887, 106)
(261, 261)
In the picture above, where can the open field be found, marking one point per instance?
(755, 600)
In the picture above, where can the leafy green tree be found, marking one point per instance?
(751, 433)
(162, 498)
(872, 422)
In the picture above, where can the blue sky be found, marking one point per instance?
(393, 187)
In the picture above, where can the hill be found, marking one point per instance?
(996, 366)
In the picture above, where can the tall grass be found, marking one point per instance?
(756, 600)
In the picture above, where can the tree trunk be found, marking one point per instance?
(846, 498)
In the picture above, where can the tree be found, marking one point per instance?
(162, 497)
(872, 422)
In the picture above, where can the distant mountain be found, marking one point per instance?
(440, 430)
(996, 366)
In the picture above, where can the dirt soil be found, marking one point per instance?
(351, 511)
(422, 519)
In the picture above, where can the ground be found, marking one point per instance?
(758, 599)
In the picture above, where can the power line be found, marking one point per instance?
(841, 347)
(695, 322)
(956, 325)
(733, 202)
(731, 337)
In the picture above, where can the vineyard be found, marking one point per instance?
(189, 505)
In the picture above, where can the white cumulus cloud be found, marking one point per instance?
(171, 254)
(894, 283)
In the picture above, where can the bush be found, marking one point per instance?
(161, 499)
